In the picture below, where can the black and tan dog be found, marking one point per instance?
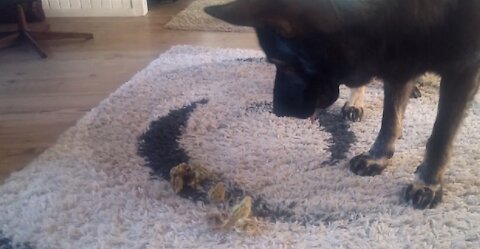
(315, 44)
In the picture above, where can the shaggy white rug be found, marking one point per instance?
(103, 184)
(194, 18)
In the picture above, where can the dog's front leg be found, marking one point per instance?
(455, 94)
(395, 102)
(353, 108)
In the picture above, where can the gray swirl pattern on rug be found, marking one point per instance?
(194, 18)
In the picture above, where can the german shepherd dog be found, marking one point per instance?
(316, 44)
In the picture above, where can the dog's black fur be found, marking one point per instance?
(316, 44)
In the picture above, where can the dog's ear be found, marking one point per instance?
(251, 13)
(239, 12)
(282, 15)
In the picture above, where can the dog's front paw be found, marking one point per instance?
(352, 113)
(423, 195)
(366, 165)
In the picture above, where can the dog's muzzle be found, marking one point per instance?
(292, 97)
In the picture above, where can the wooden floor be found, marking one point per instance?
(40, 99)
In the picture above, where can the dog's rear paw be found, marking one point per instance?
(352, 113)
(423, 196)
(366, 165)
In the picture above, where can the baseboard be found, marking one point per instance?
(94, 12)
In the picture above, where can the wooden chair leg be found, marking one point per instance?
(22, 21)
(60, 35)
(32, 36)
(8, 40)
(34, 44)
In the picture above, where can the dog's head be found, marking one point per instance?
(305, 77)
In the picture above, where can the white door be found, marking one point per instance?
(79, 8)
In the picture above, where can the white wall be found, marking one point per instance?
(83, 8)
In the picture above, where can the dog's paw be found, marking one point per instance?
(352, 113)
(366, 165)
(423, 195)
(416, 93)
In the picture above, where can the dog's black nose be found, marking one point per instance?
(284, 111)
